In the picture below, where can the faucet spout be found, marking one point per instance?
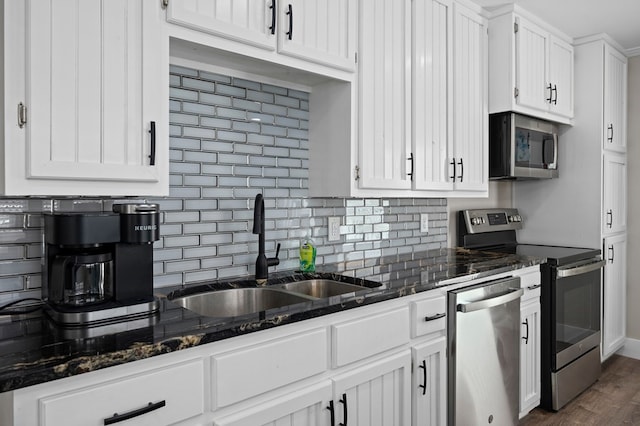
(262, 262)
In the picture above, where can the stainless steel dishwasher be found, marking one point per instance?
(483, 327)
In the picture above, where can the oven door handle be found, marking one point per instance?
(490, 303)
(568, 271)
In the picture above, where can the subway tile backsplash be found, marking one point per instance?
(230, 139)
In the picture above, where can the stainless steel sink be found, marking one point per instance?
(320, 288)
(238, 301)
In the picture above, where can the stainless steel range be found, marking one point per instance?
(570, 301)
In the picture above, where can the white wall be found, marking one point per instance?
(499, 196)
(633, 223)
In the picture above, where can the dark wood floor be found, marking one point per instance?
(613, 400)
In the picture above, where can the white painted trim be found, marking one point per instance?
(630, 349)
(635, 51)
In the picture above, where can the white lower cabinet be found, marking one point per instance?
(375, 394)
(530, 342)
(530, 356)
(614, 292)
(384, 364)
(429, 383)
(167, 394)
(306, 407)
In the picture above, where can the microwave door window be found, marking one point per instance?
(523, 152)
(534, 150)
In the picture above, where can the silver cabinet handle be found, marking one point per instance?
(490, 303)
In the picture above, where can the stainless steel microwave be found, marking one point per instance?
(522, 147)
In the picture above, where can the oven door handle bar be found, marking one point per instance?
(569, 271)
(490, 303)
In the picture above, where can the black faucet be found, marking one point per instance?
(262, 262)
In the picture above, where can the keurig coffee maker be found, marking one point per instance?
(98, 266)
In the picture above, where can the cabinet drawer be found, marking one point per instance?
(241, 374)
(170, 395)
(361, 338)
(529, 280)
(428, 316)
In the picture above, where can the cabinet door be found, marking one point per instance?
(432, 90)
(429, 383)
(377, 394)
(531, 65)
(96, 87)
(165, 396)
(614, 193)
(307, 407)
(322, 31)
(615, 100)
(384, 94)
(470, 115)
(561, 77)
(248, 21)
(529, 356)
(614, 291)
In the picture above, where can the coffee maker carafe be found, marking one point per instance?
(98, 266)
(79, 279)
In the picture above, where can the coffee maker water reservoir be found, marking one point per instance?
(98, 266)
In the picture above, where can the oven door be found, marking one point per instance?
(575, 310)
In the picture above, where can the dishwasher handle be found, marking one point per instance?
(490, 303)
(569, 271)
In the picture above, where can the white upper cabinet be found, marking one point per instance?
(90, 83)
(421, 104)
(470, 116)
(449, 108)
(248, 21)
(322, 31)
(432, 88)
(615, 100)
(561, 77)
(318, 31)
(384, 95)
(532, 58)
(530, 66)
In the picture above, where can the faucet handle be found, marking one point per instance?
(272, 261)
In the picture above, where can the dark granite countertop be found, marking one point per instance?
(34, 350)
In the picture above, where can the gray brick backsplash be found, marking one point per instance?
(231, 139)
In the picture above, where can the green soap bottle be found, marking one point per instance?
(307, 255)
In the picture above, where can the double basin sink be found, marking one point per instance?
(243, 301)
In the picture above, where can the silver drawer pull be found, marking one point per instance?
(533, 287)
(435, 317)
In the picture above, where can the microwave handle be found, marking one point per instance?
(554, 165)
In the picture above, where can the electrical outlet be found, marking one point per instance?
(334, 229)
(424, 222)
